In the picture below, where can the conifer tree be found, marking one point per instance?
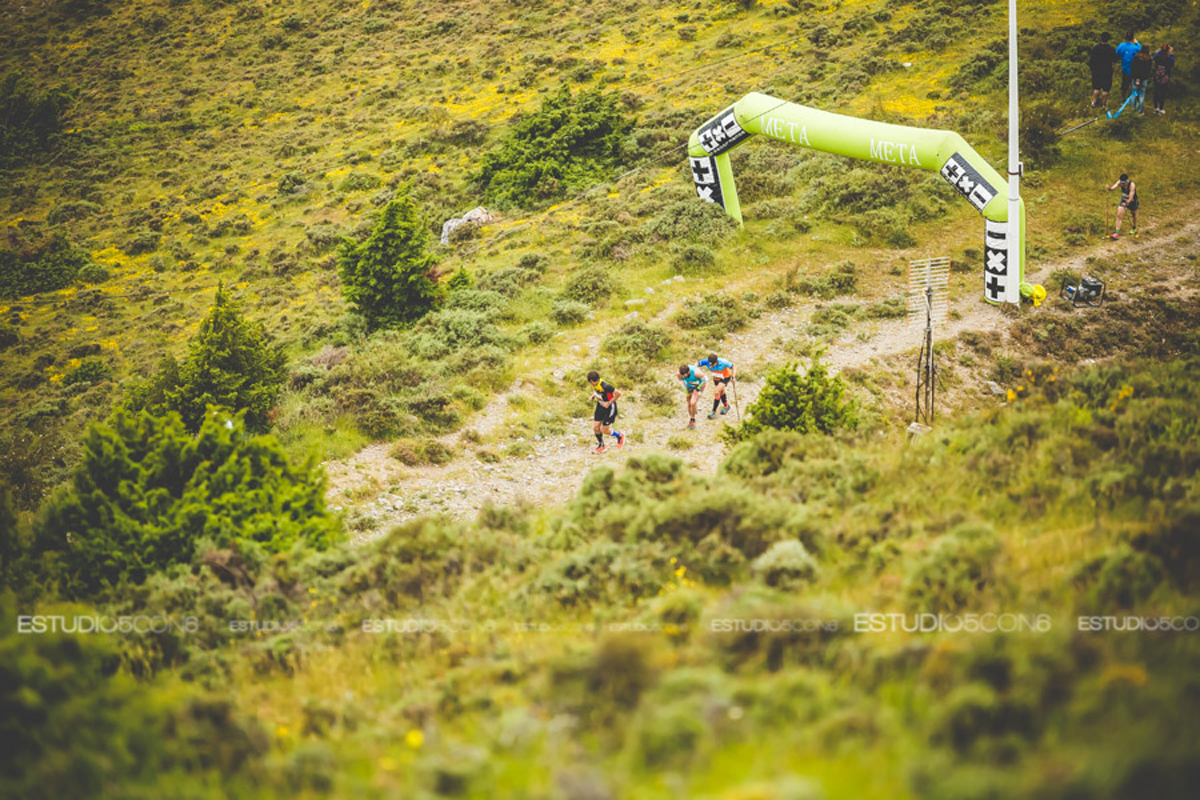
(230, 364)
(804, 402)
(389, 278)
(147, 491)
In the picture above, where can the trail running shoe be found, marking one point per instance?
(724, 409)
(600, 449)
(1115, 236)
(712, 415)
(1133, 231)
(620, 440)
(691, 424)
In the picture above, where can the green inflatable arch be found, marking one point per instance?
(942, 151)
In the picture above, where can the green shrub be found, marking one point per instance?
(891, 308)
(10, 335)
(63, 694)
(71, 210)
(460, 280)
(142, 242)
(389, 278)
(42, 266)
(432, 405)
(1120, 579)
(593, 285)
(785, 565)
(470, 396)
(509, 281)
(482, 301)
(421, 452)
(92, 369)
(359, 182)
(717, 526)
(452, 330)
(691, 221)
(29, 119)
(1175, 546)
(955, 571)
(1040, 124)
(839, 279)
(831, 319)
(639, 340)
(537, 332)
(231, 364)
(147, 492)
(888, 225)
(292, 183)
(93, 273)
(601, 572)
(566, 313)
(713, 314)
(694, 259)
(323, 236)
(777, 300)
(790, 401)
(570, 143)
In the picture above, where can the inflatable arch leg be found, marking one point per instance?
(942, 151)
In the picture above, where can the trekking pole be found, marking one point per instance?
(1076, 127)
(736, 407)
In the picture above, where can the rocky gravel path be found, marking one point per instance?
(379, 492)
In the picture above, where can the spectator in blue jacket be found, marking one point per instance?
(1126, 50)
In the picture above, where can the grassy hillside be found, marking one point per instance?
(714, 628)
(235, 142)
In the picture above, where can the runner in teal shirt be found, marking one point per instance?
(693, 384)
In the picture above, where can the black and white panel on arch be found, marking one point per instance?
(959, 173)
(707, 180)
(722, 133)
(995, 260)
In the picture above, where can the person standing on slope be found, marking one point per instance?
(1129, 202)
(1164, 63)
(1126, 50)
(722, 373)
(605, 395)
(693, 384)
(1142, 71)
(1100, 60)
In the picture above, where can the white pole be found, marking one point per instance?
(1012, 293)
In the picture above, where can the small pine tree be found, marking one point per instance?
(231, 364)
(570, 142)
(801, 402)
(460, 280)
(389, 278)
(147, 491)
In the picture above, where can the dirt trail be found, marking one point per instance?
(384, 492)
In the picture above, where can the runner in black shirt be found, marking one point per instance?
(605, 395)
(1129, 202)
